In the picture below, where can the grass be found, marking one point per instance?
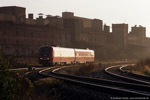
(48, 89)
(24, 62)
(17, 86)
(87, 69)
(142, 67)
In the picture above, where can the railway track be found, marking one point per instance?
(123, 69)
(113, 87)
(117, 72)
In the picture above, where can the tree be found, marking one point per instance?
(13, 85)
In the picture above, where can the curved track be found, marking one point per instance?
(145, 77)
(120, 88)
(115, 71)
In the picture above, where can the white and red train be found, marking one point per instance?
(58, 55)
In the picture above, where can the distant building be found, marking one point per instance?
(23, 36)
(87, 33)
(54, 21)
(106, 29)
(30, 19)
(119, 34)
(13, 13)
(25, 40)
(137, 36)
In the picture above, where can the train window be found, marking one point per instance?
(83, 54)
(45, 52)
(91, 54)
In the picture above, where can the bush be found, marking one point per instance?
(49, 89)
(16, 86)
(13, 85)
(142, 67)
(85, 69)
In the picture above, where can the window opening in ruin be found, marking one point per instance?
(32, 34)
(4, 33)
(17, 33)
(17, 42)
(4, 41)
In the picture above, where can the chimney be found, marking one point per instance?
(30, 16)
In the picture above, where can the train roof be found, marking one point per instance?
(70, 48)
(84, 50)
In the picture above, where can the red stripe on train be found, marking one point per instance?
(63, 59)
(84, 59)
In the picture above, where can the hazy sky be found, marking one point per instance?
(133, 12)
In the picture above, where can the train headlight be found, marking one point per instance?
(41, 58)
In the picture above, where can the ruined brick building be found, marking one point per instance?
(23, 36)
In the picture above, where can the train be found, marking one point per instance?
(51, 55)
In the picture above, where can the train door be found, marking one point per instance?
(75, 56)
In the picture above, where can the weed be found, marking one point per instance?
(142, 67)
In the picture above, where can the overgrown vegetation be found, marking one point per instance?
(142, 67)
(16, 86)
(49, 89)
(13, 85)
(82, 69)
(26, 61)
(88, 68)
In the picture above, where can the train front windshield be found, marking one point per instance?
(45, 52)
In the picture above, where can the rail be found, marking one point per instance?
(99, 84)
(125, 78)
